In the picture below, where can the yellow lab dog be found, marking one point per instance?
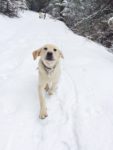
(49, 73)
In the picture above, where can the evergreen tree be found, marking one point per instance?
(11, 7)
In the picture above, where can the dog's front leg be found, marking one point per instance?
(43, 109)
(53, 88)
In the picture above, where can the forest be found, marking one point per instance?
(88, 18)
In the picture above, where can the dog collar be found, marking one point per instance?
(48, 69)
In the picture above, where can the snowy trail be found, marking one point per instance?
(80, 113)
(22, 108)
(19, 105)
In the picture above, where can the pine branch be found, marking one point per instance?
(93, 15)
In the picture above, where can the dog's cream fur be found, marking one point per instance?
(49, 73)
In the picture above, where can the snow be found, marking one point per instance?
(110, 22)
(80, 112)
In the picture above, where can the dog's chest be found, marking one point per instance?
(48, 75)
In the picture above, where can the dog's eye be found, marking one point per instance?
(45, 48)
(55, 49)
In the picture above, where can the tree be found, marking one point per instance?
(11, 7)
(37, 5)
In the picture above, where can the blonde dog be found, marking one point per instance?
(49, 73)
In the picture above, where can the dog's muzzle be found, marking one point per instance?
(49, 56)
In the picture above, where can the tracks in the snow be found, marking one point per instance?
(61, 120)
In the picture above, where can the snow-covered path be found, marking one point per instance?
(80, 113)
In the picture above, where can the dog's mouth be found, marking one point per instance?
(49, 59)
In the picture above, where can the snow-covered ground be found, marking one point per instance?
(80, 113)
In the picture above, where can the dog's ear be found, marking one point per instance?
(62, 56)
(36, 53)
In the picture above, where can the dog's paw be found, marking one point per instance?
(43, 113)
(50, 93)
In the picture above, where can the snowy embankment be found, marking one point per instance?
(80, 113)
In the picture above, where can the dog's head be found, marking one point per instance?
(50, 54)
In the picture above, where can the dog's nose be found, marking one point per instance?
(49, 56)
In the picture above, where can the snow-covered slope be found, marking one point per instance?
(80, 113)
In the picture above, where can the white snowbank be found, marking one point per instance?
(80, 113)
